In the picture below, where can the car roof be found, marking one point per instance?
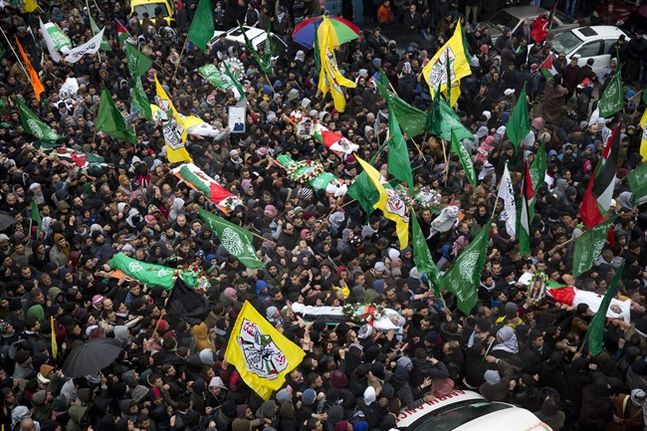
(408, 416)
(525, 11)
(134, 3)
(598, 31)
(513, 418)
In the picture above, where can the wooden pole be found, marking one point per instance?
(442, 141)
(565, 243)
(180, 59)
(22, 66)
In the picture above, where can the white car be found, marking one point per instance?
(511, 17)
(588, 42)
(468, 411)
(256, 36)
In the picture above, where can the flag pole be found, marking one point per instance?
(22, 66)
(180, 57)
(445, 157)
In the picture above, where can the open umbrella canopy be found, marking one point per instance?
(6, 220)
(305, 32)
(91, 357)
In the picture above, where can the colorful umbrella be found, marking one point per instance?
(304, 33)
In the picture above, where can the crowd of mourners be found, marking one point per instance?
(172, 375)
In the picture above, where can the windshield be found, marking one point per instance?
(503, 19)
(150, 9)
(456, 416)
(565, 42)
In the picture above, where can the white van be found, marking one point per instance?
(468, 411)
(256, 36)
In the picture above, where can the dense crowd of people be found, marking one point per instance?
(171, 375)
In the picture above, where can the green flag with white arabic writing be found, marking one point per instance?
(236, 240)
(138, 63)
(638, 183)
(105, 45)
(595, 334)
(34, 126)
(613, 98)
(588, 247)
(464, 276)
(140, 101)
(145, 273)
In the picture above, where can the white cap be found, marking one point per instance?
(216, 382)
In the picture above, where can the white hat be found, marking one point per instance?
(486, 114)
(216, 382)
(509, 91)
(34, 186)
(379, 266)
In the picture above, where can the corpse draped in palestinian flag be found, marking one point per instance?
(309, 127)
(198, 180)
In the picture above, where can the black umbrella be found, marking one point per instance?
(6, 220)
(91, 357)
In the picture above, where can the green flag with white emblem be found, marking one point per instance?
(613, 98)
(588, 247)
(236, 240)
(464, 276)
(140, 100)
(138, 63)
(145, 273)
(34, 126)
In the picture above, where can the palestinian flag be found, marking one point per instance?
(195, 178)
(122, 33)
(81, 160)
(546, 67)
(334, 141)
(525, 220)
(599, 193)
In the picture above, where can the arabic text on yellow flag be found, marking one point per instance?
(435, 71)
(260, 353)
(330, 78)
(390, 203)
(643, 141)
(174, 130)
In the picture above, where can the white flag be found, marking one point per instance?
(49, 32)
(509, 213)
(89, 47)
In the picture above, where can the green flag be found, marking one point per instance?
(638, 183)
(596, 328)
(457, 147)
(234, 80)
(201, 30)
(139, 100)
(412, 120)
(264, 61)
(422, 257)
(464, 276)
(537, 174)
(519, 124)
(34, 126)
(612, 99)
(105, 45)
(111, 121)
(236, 240)
(138, 63)
(35, 214)
(363, 191)
(442, 120)
(398, 163)
(588, 247)
(214, 76)
(143, 272)
(315, 53)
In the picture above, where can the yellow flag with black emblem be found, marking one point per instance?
(390, 203)
(451, 60)
(260, 353)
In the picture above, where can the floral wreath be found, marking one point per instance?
(422, 197)
(363, 313)
(310, 169)
(193, 274)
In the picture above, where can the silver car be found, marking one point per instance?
(511, 18)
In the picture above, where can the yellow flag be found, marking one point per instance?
(330, 78)
(456, 93)
(390, 203)
(435, 71)
(174, 130)
(261, 354)
(53, 336)
(29, 6)
(643, 140)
